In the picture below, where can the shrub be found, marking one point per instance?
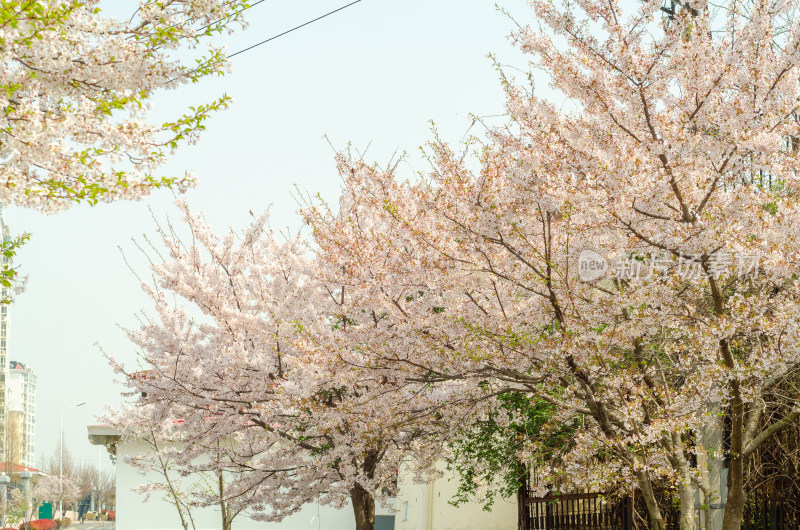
(112, 515)
(38, 524)
(65, 522)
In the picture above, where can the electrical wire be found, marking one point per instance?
(221, 19)
(293, 29)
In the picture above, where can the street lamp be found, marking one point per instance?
(61, 461)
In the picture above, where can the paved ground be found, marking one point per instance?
(92, 525)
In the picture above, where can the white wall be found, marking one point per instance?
(425, 507)
(158, 514)
(418, 507)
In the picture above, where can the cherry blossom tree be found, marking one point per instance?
(676, 177)
(76, 91)
(55, 489)
(685, 147)
(630, 262)
(256, 365)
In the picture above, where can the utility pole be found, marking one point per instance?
(61, 461)
(99, 474)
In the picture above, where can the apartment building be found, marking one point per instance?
(21, 400)
(4, 362)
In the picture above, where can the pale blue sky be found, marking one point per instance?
(376, 72)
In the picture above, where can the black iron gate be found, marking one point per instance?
(579, 511)
(765, 510)
(588, 511)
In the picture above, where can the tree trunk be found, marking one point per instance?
(656, 519)
(363, 508)
(686, 495)
(734, 507)
(710, 462)
(224, 506)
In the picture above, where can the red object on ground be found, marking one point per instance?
(38, 524)
(112, 515)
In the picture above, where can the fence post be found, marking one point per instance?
(524, 509)
(629, 502)
(524, 493)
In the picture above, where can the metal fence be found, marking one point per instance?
(589, 511)
(579, 511)
(772, 509)
(766, 509)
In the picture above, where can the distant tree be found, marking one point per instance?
(83, 474)
(92, 481)
(53, 466)
(51, 488)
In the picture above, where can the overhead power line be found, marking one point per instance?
(294, 29)
(221, 19)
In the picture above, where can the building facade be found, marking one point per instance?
(21, 400)
(416, 507)
(427, 506)
(4, 364)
